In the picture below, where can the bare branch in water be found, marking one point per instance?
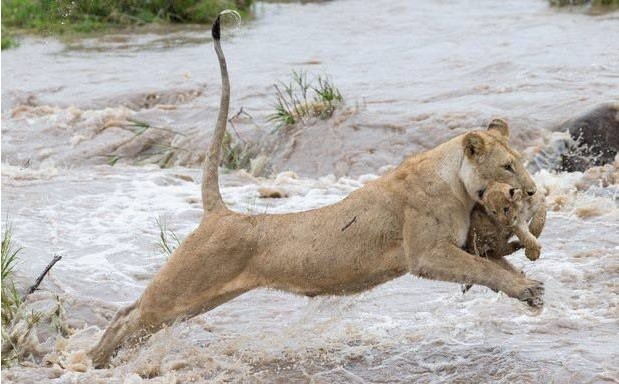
(42, 275)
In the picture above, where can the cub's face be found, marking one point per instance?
(489, 159)
(503, 203)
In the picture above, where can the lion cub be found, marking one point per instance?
(504, 212)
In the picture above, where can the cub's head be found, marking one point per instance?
(503, 203)
(489, 159)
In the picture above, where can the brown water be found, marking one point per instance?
(412, 75)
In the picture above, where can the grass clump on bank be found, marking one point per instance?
(67, 16)
(301, 99)
(11, 300)
(19, 322)
(8, 41)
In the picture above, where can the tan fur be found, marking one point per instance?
(413, 220)
(530, 223)
(504, 212)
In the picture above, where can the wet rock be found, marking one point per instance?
(583, 142)
(78, 361)
(167, 99)
(78, 367)
(184, 177)
(149, 371)
(174, 365)
(271, 193)
(595, 136)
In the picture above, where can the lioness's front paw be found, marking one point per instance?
(532, 293)
(532, 253)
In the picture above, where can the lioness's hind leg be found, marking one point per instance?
(150, 313)
(125, 323)
(130, 325)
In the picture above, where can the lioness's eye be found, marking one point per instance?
(508, 167)
(506, 209)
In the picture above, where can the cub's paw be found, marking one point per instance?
(532, 253)
(532, 293)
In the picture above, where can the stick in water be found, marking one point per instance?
(42, 275)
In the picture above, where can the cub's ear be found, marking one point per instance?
(515, 194)
(473, 145)
(500, 126)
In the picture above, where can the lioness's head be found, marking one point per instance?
(503, 203)
(489, 159)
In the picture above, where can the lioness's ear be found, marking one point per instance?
(500, 126)
(473, 145)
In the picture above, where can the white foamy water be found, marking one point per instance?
(420, 73)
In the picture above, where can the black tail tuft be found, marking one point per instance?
(216, 30)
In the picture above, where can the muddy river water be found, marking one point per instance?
(79, 179)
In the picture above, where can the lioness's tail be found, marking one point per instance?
(211, 197)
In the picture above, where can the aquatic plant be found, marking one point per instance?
(168, 240)
(301, 99)
(237, 154)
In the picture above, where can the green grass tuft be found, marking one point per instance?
(237, 154)
(301, 99)
(11, 300)
(168, 240)
(8, 41)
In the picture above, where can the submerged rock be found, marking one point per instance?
(588, 140)
(595, 136)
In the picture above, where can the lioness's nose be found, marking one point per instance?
(531, 192)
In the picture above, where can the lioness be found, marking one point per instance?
(412, 220)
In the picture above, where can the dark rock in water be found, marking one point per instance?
(551, 157)
(595, 138)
